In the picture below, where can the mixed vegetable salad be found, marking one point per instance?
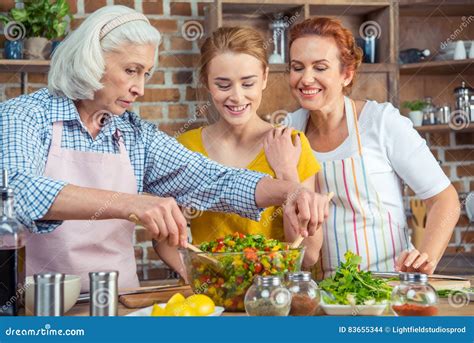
(350, 286)
(241, 258)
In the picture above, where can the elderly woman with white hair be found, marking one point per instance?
(80, 161)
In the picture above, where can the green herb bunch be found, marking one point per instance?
(415, 105)
(349, 286)
(41, 18)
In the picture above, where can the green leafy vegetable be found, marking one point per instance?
(444, 293)
(349, 286)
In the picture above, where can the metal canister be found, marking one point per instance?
(444, 112)
(49, 294)
(104, 293)
(463, 100)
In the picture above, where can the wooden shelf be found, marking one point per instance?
(24, 66)
(343, 9)
(442, 128)
(364, 68)
(439, 8)
(439, 67)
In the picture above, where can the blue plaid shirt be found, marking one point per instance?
(162, 166)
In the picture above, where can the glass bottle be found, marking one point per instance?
(12, 254)
(429, 112)
(414, 296)
(267, 297)
(305, 294)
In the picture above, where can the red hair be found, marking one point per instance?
(350, 55)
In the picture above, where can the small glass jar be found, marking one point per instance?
(305, 294)
(429, 112)
(414, 296)
(267, 297)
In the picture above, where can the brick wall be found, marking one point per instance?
(170, 99)
(455, 151)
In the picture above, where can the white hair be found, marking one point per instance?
(78, 63)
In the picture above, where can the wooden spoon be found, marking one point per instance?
(215, 264)
(296, 244)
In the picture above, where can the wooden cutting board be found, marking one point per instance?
(444, 284)
(148, 299)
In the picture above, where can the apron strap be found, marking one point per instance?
(353, 122)
(118, 139)
(57, 134)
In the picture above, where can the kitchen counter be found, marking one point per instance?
(445, 309)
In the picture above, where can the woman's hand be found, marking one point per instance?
(282, 153)
(304, 210)
(415, 261)
(161, 217)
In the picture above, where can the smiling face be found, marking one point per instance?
(235, 82)
(316, 76)
(124, 79)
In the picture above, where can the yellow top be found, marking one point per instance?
(211, 225)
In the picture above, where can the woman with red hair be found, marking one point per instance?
(366, 149)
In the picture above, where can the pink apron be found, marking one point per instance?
(358, 221)
(81, 246)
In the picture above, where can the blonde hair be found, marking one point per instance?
(78, 63)
(231, 39)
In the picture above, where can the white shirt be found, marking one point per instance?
(393, 151)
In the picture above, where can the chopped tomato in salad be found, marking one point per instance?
(244, 256)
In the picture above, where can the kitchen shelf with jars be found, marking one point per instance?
(436, 56)
(373, 22)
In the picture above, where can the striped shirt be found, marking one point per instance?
(162, 166)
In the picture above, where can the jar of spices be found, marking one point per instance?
(305, 294)
(267, 297)
(414, 296)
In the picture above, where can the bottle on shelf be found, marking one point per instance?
(12, 254)
(429, 112)
(413, 55)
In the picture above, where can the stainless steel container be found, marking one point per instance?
(104, 293)
(49, 294)
(443, 114)
(463, 96)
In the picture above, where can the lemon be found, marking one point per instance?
(157, 311)
(180, 309)
(175, 299)
(201, 304)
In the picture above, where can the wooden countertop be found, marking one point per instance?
(445, 309)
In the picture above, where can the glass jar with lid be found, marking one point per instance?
(267, 297)
(305, 294)
(429, 112)
(414, 296)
